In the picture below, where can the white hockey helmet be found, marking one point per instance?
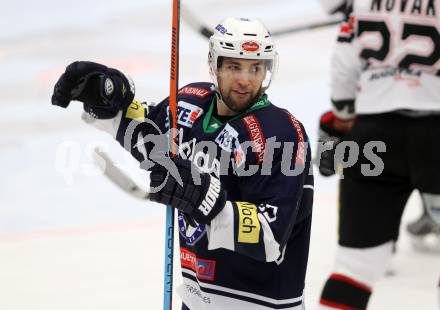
(246, 39)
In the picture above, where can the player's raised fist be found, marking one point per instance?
(104, 91)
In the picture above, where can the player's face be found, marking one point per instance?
(239, 82)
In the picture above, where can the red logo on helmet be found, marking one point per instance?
(250, 46)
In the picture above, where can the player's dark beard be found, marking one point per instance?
(233, 106)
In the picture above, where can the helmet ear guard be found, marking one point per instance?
(243, 39)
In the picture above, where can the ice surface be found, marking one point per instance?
(69, 239)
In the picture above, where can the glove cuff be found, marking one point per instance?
(211, 203)
(123, 88)
(115, 93)
(332, 125)
(344, 109)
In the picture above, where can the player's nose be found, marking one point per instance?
(243, 79)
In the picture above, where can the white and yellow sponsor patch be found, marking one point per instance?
(248, 223)
(136, 111)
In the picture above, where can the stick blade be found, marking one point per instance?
(116, 175)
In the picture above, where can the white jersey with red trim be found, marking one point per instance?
(387, 58)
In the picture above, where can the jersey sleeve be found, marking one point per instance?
(260, 224)
(143, 127)
(346, 67)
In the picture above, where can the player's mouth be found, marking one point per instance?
(240, 93)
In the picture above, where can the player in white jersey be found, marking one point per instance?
(385, 89)
(424, 228)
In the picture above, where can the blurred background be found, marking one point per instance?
(69, 239)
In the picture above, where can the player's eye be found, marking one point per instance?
(234, 68)
(256, 69)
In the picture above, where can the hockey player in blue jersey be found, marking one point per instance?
(243, 187)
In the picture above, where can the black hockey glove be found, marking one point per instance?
(104, 91)
(331, 129)
(201, 202)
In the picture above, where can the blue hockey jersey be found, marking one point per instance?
(253, 255)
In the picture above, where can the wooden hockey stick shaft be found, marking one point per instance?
(169, 226)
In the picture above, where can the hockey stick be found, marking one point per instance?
(308, 26)
(206, 31)
(117, 175)
(169, 226)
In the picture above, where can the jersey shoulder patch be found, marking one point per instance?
(199, 91)
(278, 123)
(347, 30)
(193, 100)
(256, 135)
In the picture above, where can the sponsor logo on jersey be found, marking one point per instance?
(227, 138)
(263, 101)
(256, 135)
(135, 111)
(204, 160)
(204, 268)
(189, 233)
(248, 224)
(250, 46)
(195, 291)
(187, 114)
(406, 75)
(300, 158)
(347, 28)
(194, 91)
(211, 196)
(228, 141)
(269, 212)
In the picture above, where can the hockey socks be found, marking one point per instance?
(345, 293)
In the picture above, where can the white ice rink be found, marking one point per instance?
(69, 239)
